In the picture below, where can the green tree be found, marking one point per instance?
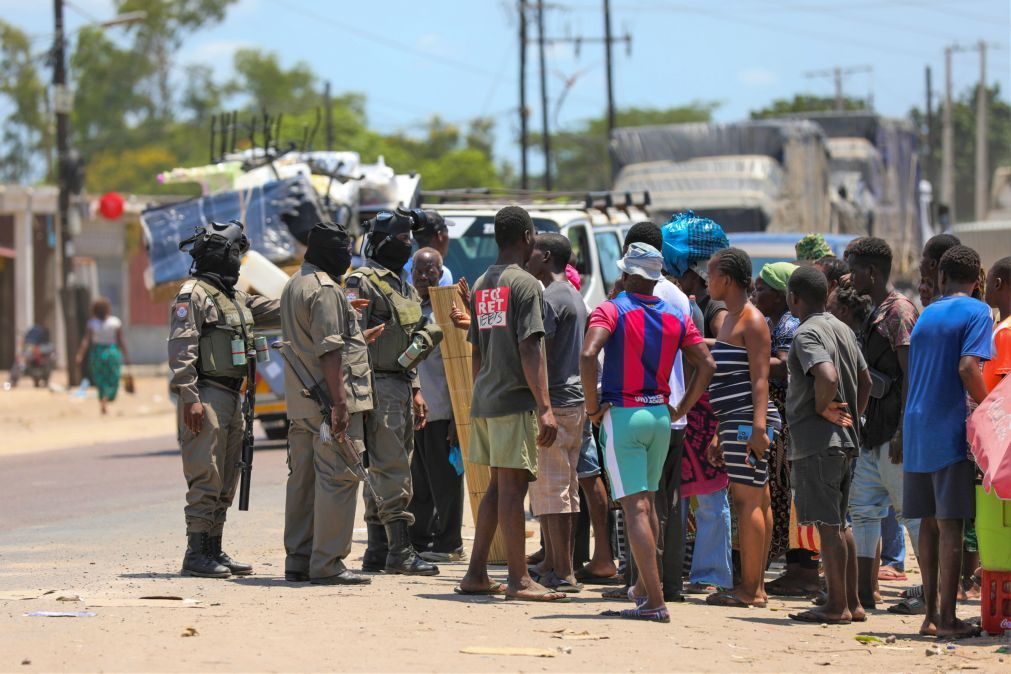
(581, 160)
(26, 130)
(963, 114)
(801, 103)
(159, 37)
(267, 85)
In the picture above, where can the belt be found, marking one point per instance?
(230, 383)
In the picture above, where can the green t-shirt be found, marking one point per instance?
(506, 308)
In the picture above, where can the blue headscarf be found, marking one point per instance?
(688, 239)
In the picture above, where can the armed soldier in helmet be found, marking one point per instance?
(399, 406)
(210, 339)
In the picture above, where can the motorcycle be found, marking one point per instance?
(36, 359)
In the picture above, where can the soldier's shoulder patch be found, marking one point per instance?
(324, 279)
(186, 290)
(182, 311)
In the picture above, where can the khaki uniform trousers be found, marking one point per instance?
(389, 439)
(320, 500)
(211, 459)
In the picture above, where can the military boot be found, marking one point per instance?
(198, 561)
(402, 557)
(374, 559)
(222, 558)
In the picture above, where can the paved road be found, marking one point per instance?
(49, 487)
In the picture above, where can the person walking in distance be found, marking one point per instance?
(640, 336)
(210, 317)
(511, 408)
(105, 350)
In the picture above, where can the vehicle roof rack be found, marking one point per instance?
(601, 200)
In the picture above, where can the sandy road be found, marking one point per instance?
(104, 522)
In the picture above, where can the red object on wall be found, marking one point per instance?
(111, 205)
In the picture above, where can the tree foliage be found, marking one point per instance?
(26, 132)
(801, 103)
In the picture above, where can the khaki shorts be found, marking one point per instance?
(505, 442)
(556, 490)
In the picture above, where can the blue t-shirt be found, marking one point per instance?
(933, 432)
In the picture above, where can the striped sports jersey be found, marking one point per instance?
(646, 334)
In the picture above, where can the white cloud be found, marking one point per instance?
(757, 77)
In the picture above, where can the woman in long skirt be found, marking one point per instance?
(105, 350)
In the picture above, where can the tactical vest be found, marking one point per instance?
(396, 338)
(355, 358)
(234, 320)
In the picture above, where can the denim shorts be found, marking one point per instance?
(944, 494)
(821, 486)
(589, 460)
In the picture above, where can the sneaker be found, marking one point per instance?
(457, 555)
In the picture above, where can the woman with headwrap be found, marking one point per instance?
(769, 296)
(688, 243)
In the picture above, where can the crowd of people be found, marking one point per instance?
(735, 416)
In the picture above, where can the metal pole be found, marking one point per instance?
(524, 175)
(329, 116)
(948, 144)
(65, 249)
(982, 161)
(610, 68)
(838, 89)
(931, 150)
(545, 131)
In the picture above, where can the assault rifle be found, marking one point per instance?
(314, 391)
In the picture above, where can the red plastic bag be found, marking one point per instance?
(989, 434)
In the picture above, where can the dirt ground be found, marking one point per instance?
(38, 419)
(106, 559)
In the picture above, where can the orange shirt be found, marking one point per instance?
(995, 369)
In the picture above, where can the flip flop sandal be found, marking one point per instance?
(584, 576)
(639, 601)
(785, 589)
(891, 574)
(726, 599)
(494, 588)
(535, 576)
(700, 588)
(812, 617)
(553, 582)
(914, 592)
(656, 615)
(615, 593)
(542, 597)
(909, 606)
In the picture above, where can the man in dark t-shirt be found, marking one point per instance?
(554, 496)
(511, 408)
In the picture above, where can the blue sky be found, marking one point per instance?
(459, 59)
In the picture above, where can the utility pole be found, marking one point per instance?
(982, 161)
(62, 104)
(545, 131)
(948, 143)
(837, 74)
(524, 179)
(930, 127)
(608, 39)
(329, 116)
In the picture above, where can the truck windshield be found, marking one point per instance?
(472, 246)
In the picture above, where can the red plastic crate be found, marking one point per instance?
(996, 601)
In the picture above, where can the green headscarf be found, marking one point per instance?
(777, 274)
(812, 248)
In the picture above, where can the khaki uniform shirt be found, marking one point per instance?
(186, 324)
(384, 351)
(317, 319)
